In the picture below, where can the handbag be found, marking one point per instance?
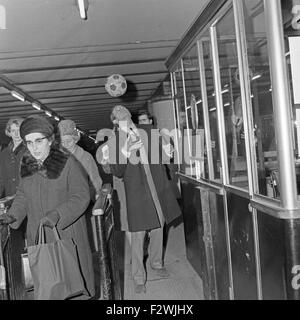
(55, 268)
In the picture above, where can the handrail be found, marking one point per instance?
(104, 243)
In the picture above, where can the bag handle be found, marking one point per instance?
(41, 234)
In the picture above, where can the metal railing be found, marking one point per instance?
(104, 236)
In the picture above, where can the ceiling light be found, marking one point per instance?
(256, 77)
(36, 106)
(83, 6)
(17, 95)
(56, 118)
(48, 113)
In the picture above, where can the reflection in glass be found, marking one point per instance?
(180, 115)
(261, 98)
(212, 107)
(232, 104)
(292, 43)
(194, 112)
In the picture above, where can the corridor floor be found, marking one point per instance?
(183, 283)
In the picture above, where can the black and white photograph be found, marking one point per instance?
(149, 153)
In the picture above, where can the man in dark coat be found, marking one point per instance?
(149, 198)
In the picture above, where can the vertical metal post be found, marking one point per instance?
(292, 248)
(176, 119)
(247, 115)
(281, 103)
(219, 101)
(105, 276)
(187, 121)
(205, 111)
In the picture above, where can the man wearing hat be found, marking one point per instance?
(149, 199)
(69, 138)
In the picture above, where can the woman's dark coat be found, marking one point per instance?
(141, 210)
(61, 185)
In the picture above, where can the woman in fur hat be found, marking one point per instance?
(53, 190)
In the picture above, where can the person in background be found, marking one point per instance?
(144, 117)
(10, 158)
(69, 138)
(149, 199)
(54, 191)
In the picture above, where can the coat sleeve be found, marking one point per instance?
(78, 196)
(19, 206)
(118, 170)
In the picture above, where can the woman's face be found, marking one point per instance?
(15, 133)
(38, 145)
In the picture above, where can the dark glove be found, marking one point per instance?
(6, 219)
(51, 219)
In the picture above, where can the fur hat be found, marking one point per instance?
(67, 128)
(36, 124)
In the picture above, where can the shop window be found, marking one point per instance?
(261, 99)
(194, 115)
(291, 28)
(212, 107)
(231, 100)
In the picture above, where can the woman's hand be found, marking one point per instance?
(6, 219)
(51, 219)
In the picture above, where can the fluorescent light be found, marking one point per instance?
(56, 118)
(227, 104)
(36, 106)
(257, 77)
(82, 9)
(17, 95)
(213, 109)
(224, 91)
(199, 101)
(48, 113)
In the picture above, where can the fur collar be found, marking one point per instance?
(51, 167)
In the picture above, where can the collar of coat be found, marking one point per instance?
(51, 167)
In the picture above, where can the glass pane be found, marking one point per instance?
(292, 42)
(180, 114)
(261, 97)
(194, 111)
(213, 122)
(232, 104)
